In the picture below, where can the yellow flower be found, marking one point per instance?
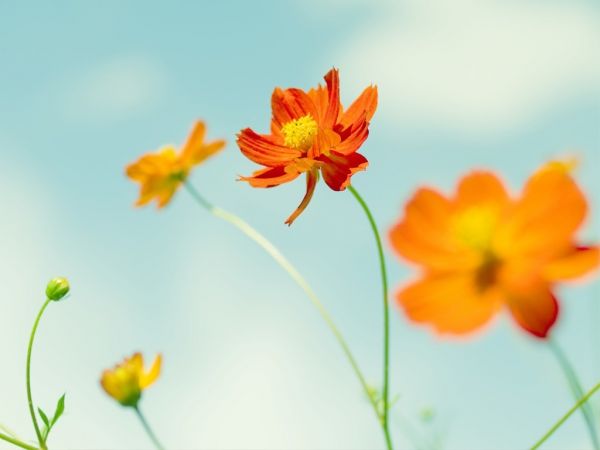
(160, 174)
(127, 380)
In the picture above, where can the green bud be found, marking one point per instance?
(57, 288)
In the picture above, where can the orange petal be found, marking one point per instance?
(333, 90)
(423, 236)
(320, 98)
(353, 137)
(479, 188)
(311, 182)
(338, 169)
(290, 104)
(196, 137)
(450, 303)
(533, 307)
(365, 103)
(262, 150)
(272, 176)
(544, 220)
(578, 262)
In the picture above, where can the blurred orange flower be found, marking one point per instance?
(310, 133)
(161, 174)
(127, 380)
(480, 250)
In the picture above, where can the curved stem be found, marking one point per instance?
(564, 418)
(386, 315)
(147, 428)
(576, 389)
(294, 274)
(28, 376)
(17, 442)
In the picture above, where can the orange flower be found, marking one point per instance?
(480, 250)
(127, 380)
(310, 133)
(161, 174)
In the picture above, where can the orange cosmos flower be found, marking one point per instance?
(310, 133)
(127, 380)
(481, 250)
(161, 174)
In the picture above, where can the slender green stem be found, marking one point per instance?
(17, 442)
(28, 376)
(386, 316)
(576, 389)
(295, 275)
(149, 431)
(564, 418)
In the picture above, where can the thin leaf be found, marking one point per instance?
(44, 417)
(60, 409)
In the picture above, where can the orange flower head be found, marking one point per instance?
(126, 381)
(311, 134)
(481, 250)
(160, 174)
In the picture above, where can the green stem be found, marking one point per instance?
(28, 376)
(147, 428)
(564, 418)
(576, 389)
(17, 442)
(294, 274)
(386, 315)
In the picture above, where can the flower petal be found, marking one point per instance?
(148, 378)
(365, 103)
(544, 220)
(196, 150)
(332, 79)
(534, 307)
(353, 137)
(262, 150)
(320, 98)
(423, 236)
(574, 264)
(272, 176)
(290, 104)
(479, 188)
(451, 303)
(311, 182)
(337, 169)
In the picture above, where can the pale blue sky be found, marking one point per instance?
(86, 87)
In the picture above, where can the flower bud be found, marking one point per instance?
(57, 288)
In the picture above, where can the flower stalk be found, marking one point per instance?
(576, 389)
(36, 426)
(274, 252)
(582, 401)
(386, 317)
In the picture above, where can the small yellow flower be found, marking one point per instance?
(127, 380)
(160, 174)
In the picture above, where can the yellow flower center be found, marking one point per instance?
(300, 133)
(475, 227)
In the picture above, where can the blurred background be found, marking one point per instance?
(87, 87)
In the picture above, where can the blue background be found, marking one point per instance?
(87, 87)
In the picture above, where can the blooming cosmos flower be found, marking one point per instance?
(127, 380)
(310, 133)
(161, 174)
(481, 250)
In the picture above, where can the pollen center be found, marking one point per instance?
(475, 227)
(300, 133)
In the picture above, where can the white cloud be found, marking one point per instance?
(117, 89)
(475, 66)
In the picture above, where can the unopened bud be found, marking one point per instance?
(57, 288)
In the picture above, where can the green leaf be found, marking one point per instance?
(44, 417)
(60, 409)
